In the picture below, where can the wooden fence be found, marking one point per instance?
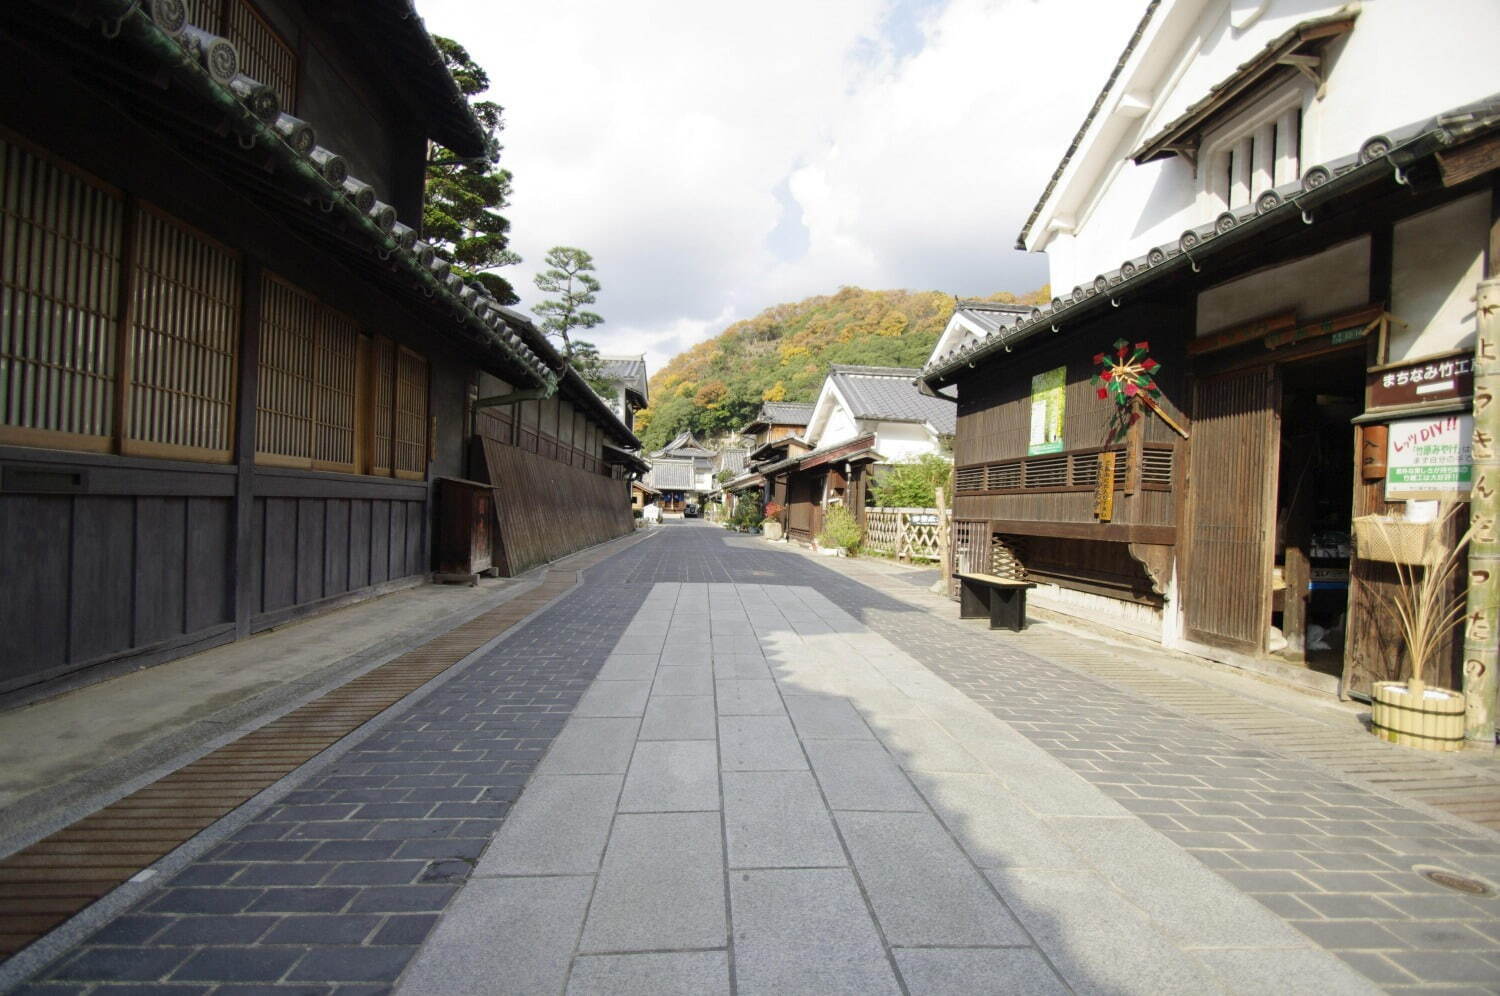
(905, 533)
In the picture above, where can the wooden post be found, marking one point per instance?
(1481, 650)
(945, 543)
(246, 391)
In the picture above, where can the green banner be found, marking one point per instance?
(1049, 393)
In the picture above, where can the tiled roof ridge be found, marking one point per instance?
(1320, 183)
(1088, 120)
(971, 304)
(856, 370)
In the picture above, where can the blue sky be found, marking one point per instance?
(720, 158)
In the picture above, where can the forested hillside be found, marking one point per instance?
(783, 353)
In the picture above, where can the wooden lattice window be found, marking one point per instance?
(61, 244)
(309, 374)
(411, 415)
(383, 375)
(206, 14)
(183, 340)
(264, 56)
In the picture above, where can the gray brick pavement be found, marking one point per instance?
(390, 831)
(333, 889)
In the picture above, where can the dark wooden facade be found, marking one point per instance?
(1205, 510)
(219, 410)
(554, 493)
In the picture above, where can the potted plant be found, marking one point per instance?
(771, 525)
(1427, 608)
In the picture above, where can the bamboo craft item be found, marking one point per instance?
(1412, 715)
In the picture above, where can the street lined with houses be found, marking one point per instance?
(719, 764)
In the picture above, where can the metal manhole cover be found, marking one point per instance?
(1453, 880)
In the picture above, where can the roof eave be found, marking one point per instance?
(1174, 260)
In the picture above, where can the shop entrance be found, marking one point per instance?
(1315, 508)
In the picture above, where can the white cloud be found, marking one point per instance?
(656, 133)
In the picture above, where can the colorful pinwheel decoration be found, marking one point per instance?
(1130, 374)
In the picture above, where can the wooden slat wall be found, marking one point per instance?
(547, 509)
(184, 332)
(61, 258)
(107, 574)
(1227, 578)
(308, 550)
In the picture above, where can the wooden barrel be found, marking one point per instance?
(1414, 715)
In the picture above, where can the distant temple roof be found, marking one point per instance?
(685, 445)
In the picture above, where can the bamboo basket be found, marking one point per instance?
(1394, 541)
(1413, 715)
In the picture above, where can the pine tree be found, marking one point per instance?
(570, 274)
(461, 213)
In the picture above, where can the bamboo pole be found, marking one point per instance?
(1482, 637)
(944, 538)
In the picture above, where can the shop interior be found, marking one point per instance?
(1314, 508)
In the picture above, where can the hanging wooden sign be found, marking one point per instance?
(1104, 487)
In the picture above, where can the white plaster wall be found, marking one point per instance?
(1404, 62)
(1334, 280)
(1100, 611)
(898, 441)
(840, 426)
(1437, 262)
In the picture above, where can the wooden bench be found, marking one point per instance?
(1001, 599)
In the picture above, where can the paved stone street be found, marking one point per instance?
(720, 765)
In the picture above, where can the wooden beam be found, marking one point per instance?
(1105, 533)
(247, 384)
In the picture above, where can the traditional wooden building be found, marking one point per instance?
(1182, 444)
(230, 370)
(864, 418)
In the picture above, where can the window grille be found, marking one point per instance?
(308, 362)
(61, 245)
(1156, 467)
(263, 55)
(1047, 472)
(383, 361)
(411, 414)
(1003, 475)
(334, 399)
(968, 479)
(184, 335)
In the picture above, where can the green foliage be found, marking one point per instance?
(747, 511)
(570, 275)
(840, 530)
(464, 197)
(783, 354)
(585, 359)
(914, 483)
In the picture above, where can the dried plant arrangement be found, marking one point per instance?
(1422, 603)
